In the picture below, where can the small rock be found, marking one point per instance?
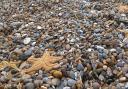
(27, 40)
(38, 83)
(101, 77)
(39, 27)
(67, 47)
(28, 52)
(80, 67)
(23, 57)
(123, 79)
(45, 79)
(3, 79)
(72, 75)
(71, 82)
(126, 85)
(55, 82)
(57, 74)
(16, 24)
(29, 86)
(27, 80)
(105, 67)
(66, 88)
(96, 85)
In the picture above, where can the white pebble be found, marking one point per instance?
(39, 27)
(27, 40)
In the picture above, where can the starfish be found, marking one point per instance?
(11, 64)
(46, 62)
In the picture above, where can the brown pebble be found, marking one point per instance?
(57, 74)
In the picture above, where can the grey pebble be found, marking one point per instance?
(71, 82)
(72, 74)
(29, 86)
(80, 67)
(96, 85)
(28, 52)
(38, 83)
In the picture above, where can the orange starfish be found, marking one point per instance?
(46, 62)
(11, 64)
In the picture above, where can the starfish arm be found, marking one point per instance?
(35, 67)
(55, 59)
(32, 59)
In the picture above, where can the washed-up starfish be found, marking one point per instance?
(11, 64)
(46, 62)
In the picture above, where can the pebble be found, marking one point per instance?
(67, 47)
(3, 79)
(55, 82)
(38, 83)
(28, 52)
(71, 82)
(27, 40)
(126, 85)
(66, 88)
(122, 79)
(29, 86)
(23, 57)
(16, 24)
(96, 85)
(57, 74)
(80, 67)
(72, 74)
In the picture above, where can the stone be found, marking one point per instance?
(45, 79)
(67, 47)
(80, 67)
(27, 40)
(57, 74)
(23, 57)
(71, 82)
(16, 25)
(66, 88)
(3, 79)
(55, 82)
(96, 85)
(38, 83)
(28, 52)
(122, 79)
(29, 86)
(72, 74)
(101, 77)
(105, 67)
(126, 85)
(39, 27)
